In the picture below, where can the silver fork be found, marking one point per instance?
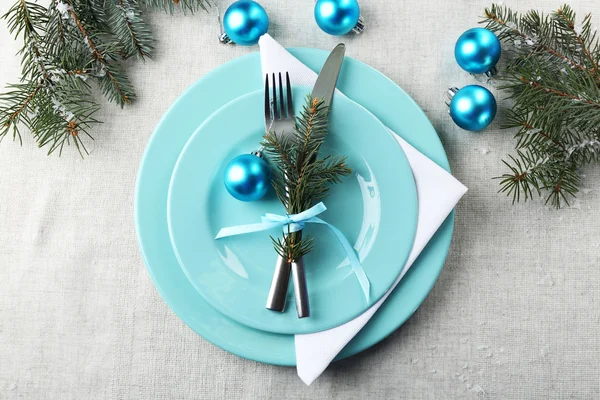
(279, 118)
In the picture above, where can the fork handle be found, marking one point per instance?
(279, 285)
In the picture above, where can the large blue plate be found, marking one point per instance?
(358, 81)
(375, 208)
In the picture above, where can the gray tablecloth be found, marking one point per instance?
(514, 314)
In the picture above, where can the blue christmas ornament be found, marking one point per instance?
(477, 51)
(244, 22)
(247, 177)
(472, 108)
(338, 17)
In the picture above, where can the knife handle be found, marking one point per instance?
(300, 290)
(279, 285)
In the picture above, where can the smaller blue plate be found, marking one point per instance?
(375, 208)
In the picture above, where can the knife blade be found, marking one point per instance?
(327, 79)
(323, 89)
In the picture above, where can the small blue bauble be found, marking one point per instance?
(477, 50)
(337, 17)
(247, 177)
(473, 108)
(245, 21)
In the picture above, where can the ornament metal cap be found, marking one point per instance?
(258, 152)
(493, 71)
(360, 25)
(223, 38)
(448, 95)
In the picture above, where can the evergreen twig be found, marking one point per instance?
(66, 45)
(553, 80)
(300, 177)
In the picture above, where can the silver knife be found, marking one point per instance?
(323, 89)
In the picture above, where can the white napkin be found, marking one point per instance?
(437, 192)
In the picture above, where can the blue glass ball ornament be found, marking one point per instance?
(477, 50)
(244, 22)
(247, 177)
(337, 17)
(473, 107)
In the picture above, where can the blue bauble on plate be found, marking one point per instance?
(247, 177)
(337, 17)
(477, 50)
(473, 107)
(245, 21)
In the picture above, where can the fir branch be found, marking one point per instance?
(66, 45)
(125, 19)
(565, 18)
(15, 107)
(25, 18)
(34, 103)
(291, 248)
(171, 6)
(553, 80)
(279, 149)
(65, 115)
(114, 82)
(533, 28)
(61, 35)
(29, 19)
(299, 176)
(310, 132)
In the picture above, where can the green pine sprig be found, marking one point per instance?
(67, 46)
(125, 18)
(552, 79)
(299, 176)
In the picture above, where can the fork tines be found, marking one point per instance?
(277, 105)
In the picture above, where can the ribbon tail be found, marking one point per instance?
(250, 228)
(352, 257)
(360, 274)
